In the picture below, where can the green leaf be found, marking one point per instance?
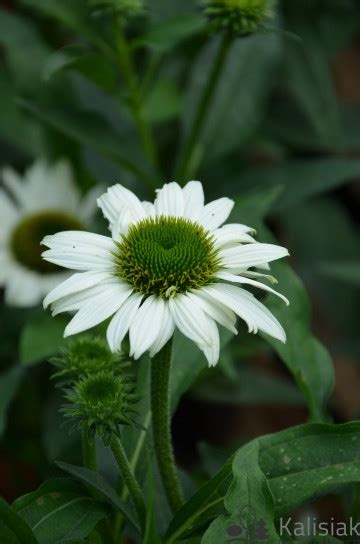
(83, 60)
(25, 49)
(241, 97)
(296, 465)
(163, 103)
(206, 503)
(304, 355)
(167, 34)
(60, 511)
(41, 338)
(13, 530)
(9, 383)
(310, 79)
(310, 461)
(249, 503)
(299, 179)
(98, 483)
(89, 129)
(248, 387)
(347, 271)
(74, 15)
(307, 359)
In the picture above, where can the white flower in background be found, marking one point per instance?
(43, 201)
(168, 264)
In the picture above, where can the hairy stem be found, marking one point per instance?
(129, 480)
(160, 374)
(89, 452)
(187, 166)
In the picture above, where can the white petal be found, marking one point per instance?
(232, 234)
(149, 208)
(118, 197)
(75, 301)
(23, 288)
(8, 212)
(13, 183)
(80, 250)
(77, 282)
(122, 320)
(88, 205)
(165, 333)
(240, 279)
(251, 255)
(245, 305)
(146, 325)
(212, 352)
(253, 274)
(193, 199)
(98, 309)
(190, 319)
(121, 225)
(216, 213)
(215, 309)
(170, 200)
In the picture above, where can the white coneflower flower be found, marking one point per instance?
(44, 201)
(168, 264)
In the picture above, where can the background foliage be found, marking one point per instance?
(282, 138)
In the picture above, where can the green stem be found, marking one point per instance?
(190, 154)
(89, 452)
(160, 374)
(135, 98)
(129, 479)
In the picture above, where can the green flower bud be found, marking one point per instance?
(100, 403)
(125, 9)
(85, 356)
(238, 17)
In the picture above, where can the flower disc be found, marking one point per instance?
(166, 255)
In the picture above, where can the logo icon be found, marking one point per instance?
(249, 529)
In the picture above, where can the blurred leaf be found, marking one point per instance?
(83, 60)
(298, 179)
(74, 15)
(248, 501)
(307, 359)
(304, 355)
(41, 338)
(60, 511)
(348, 272)
(163, 103)
(98, 483)
(151, 535)
(163, 9)
(167, 34)
(241, 97)
(310, 79)
(13, 530)
(251, 388)
(90, 129)
(9, 383)
(323, 231)
(15, 126)
(187, 363)
(25, 49)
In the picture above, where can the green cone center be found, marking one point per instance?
(28, 234)
(166, 255)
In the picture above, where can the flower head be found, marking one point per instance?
(166, 265)
(238, 17)
(43, 202)
(85, 356)
(100, 403)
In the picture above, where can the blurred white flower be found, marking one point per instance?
(43, 201)
(168, 264)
